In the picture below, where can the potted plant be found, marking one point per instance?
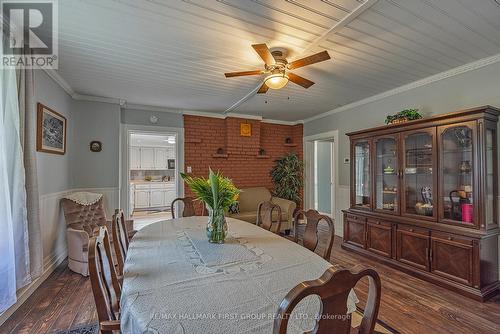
(287, 177)
(217, 193)
(403, 116)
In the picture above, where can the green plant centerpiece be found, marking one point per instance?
(287, 177)
(217, 193)
(403, 116)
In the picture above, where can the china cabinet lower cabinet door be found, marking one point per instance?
(452, 257)
(412, 246)
(355, 232)
(379, 237)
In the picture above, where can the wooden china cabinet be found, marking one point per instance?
(424, 199)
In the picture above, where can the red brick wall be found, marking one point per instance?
(204, 135)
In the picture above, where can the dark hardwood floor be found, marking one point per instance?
(409, 305)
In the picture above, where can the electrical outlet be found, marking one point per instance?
(347, 161)
(189, 169)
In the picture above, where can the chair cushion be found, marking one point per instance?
(250, 198)
(84, 217)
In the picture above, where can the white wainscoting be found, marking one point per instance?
(53, 229)
(343, 194)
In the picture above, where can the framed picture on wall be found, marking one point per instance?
(51, 131)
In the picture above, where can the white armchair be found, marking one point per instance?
(84, 214)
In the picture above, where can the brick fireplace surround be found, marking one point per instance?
(240, 160)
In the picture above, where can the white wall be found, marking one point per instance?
(96, 121)
(142, 117)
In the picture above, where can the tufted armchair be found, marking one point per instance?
(83, 221)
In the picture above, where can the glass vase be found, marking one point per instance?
(217, 226)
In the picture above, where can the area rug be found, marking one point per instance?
(87, 329)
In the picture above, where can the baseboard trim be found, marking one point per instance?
(23, 294)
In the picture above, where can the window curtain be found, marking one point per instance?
(14, 259)
(28, 119)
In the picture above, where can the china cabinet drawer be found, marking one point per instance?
(355, 218)
(451, 237)
(413, 229)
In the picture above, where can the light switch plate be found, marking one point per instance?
(189, 169)
(347, 161)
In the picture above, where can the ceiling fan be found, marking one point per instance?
(278, 68)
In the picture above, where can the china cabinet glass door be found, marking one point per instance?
(457, 146)
(386, 175)
(419, 174)
(361, 174)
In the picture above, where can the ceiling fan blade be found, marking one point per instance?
(263, 89)
(264, 53)
(315, 58)
(300, 80)
(243, 73)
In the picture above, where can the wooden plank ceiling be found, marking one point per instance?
(174, 53)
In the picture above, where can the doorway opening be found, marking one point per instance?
(323, 176)
(152, 171)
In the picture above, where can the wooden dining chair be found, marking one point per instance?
(265, 215)
(188, 210)
(310, 239)
(120, 239)
(333, 288)
(104, 281)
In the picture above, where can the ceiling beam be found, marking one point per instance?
(339, 25)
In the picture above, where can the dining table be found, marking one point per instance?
(176, 282)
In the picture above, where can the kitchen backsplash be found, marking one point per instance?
(137, 175)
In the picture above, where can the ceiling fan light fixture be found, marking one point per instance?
(277, 80)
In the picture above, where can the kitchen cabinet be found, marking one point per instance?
(135, 158)
(153, 195)
(157, 197)
(142, 198)
(147, 158)
(150, 158)
(161, 158)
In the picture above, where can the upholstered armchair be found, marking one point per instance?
(84, 215)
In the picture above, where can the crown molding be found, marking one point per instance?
(275, 121)
(152, 108)
(60, 81)
(102, 99)
(416, 84)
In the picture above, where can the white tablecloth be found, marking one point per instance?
(175, 281)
